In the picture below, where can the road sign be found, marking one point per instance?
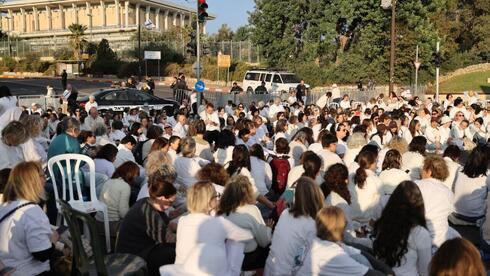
(153, 55)
(195, 66)
(224, 61)
(200, 86)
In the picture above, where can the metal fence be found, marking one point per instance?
(42, 101)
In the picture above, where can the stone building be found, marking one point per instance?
(111, 19)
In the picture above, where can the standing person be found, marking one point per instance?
(402, 240)
(235, 89)
(64, 79)
(27, 239)
(151, 85)
(301, 92)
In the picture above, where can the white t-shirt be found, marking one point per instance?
(416, 260)
(366, 202)
(438, 203)
(104, 167)
(391, 178)
(470, 195)
(413, 162)
(330, 258)
(26, 231)
(290, 234)
(453, 167)
(262, 174)
(328, 159)
(186, 169)
(223, 156)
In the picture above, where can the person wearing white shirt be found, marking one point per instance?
(328, 155)
(211, 119)
(478, 131)
(458, 108)
(433, 135)
(188, 164)
(92, 120)
(345, 102)
(261, 170)
(295, 228)
(104, 160)
(91, 103)
(438, 200)
(460, 131)
(451, 156)
(124, 152)
(445, 130)
(15, 146)
(471, 186)
(328, 255)
(275, 108)
(365, 189)
(199, 227)
(392, 175)
(180, 128)
(413, 159)
(117, 134)
(402, 240)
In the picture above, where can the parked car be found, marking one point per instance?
(121, 99)
(275, 81)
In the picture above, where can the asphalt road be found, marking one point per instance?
(38, 86)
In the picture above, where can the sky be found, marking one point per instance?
(234, 13)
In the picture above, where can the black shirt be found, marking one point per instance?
(142, 229)
(300, 91)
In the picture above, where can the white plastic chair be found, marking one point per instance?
(75, 198)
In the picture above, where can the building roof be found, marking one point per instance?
(30, 3)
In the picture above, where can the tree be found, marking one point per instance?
(224, 33)
(243, 33)
(105, 60)
(77, 40)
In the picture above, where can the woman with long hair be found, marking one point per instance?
(187, 165)
(27, 242)
(201, 237)
(299, 144)
(380, 137)
(401, 238)
(216, 174)
(391, 174)
(365, 188)
(413, 159)
(224, 147)
(295, 228)
(415, 129)
(261, 170)
(470, 186)
(237, 204)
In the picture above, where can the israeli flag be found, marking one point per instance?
(149, 24)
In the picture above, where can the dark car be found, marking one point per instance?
(121, 99)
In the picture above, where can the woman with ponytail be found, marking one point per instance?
(365, 188)
(312, 166)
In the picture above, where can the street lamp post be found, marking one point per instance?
(393, 45)
(91, 27)
(417, 66)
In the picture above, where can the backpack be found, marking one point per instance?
(280, 169)
(138, 152)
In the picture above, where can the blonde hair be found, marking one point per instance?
(437, 166)
(188, 147)
(25, 183)
(14, 134)
(330, 224)
(356, 140)
(155, 161)
(199, 196)
(34, 124)
(399, 144)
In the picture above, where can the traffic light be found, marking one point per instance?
(191, 47)
(437, 60)
(206, 50)
(202, 6)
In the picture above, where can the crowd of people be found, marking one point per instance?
(272, 188)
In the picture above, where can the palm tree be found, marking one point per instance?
(77, 40)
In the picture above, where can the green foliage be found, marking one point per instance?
(105, 60)
(344, 40)
(127, 69)
(63, 53)
(243, 33)
(224, 33)
(32, 63)
(77, 40)
(9, 63)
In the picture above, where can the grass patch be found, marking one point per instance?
(476, 81)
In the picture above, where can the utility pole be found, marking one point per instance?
(198, 60)
(393, 45)
(417, 66)
(139, 50)
(438, 65)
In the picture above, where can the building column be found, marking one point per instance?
(36, 18)
(118, 13)
(165, 20)
(147, 13)
(75, 12)
(103, 13)
(10, 21)
(23, 20)
(137, 13)
(90, 15)
(50, 21)
(182, 20)
(62, 17)
(157, 19)
(174, 20)
(126, 14)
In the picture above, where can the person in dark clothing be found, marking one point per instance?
(235, 89)
(131, 83)
(151, 84)
(300, 91)
(72, 101)
(359, 84)
(144, 228)
(261, 89)
(64, 79)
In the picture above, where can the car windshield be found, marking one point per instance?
(290, 78)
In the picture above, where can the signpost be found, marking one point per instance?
(153, 55)
(200, 86)
(196, 68)
(224, 61)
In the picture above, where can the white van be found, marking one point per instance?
(275, 81)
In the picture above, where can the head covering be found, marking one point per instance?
(445, 120)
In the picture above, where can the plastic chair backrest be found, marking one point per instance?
(81, 261)
(68, 171)
(334, 105)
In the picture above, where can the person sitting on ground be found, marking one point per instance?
(457, 257)
(104, 160)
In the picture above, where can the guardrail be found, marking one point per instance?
(45, 102)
